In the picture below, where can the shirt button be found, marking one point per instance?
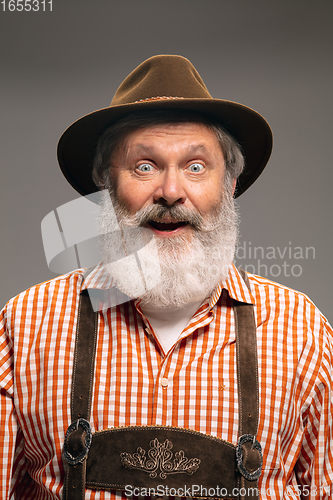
(164, 382)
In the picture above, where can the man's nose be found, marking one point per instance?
(170, 189)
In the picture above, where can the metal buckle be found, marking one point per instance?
(250, 476)
(74, 427)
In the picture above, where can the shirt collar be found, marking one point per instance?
(236, 286)
(100, 279)
(97, 278)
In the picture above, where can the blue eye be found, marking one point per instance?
(145, 167)
(196, 167)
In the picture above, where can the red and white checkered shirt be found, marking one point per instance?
(194, 385)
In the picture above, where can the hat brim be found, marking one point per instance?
(77, 145)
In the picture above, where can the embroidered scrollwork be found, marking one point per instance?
(160, 460)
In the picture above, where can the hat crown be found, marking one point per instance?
(162, 76)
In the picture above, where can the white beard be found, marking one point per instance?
(175, 271)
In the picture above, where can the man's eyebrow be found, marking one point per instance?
(198, 147)
(144, 148)
(193, 148)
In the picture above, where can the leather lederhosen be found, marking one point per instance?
(149, 456)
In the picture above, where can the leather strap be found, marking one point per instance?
(247, 367)
(78, 438)
(82, 382)
(247, 375)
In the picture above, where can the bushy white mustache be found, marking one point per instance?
(194, 217)
(176, 213)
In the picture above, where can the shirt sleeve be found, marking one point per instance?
(12, 462)
(314, 468)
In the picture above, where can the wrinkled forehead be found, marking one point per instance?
(191, 137)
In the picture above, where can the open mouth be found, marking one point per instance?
(167, 226)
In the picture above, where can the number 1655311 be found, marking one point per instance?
(26, 5)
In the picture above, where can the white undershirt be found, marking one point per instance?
(168, 324)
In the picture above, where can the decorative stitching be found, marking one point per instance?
(158, 98)
(160, 458)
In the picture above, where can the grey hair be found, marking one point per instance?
(113, 135)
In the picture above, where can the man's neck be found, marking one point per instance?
(169, 323)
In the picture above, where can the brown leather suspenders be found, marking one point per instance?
(78, 436)
(147, 456)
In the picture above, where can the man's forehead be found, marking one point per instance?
(194, 137)
(190, 148)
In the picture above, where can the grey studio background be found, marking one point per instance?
(274, 56)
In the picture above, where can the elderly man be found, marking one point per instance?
(211, 383)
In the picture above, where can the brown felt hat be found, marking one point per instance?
(164, 82)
